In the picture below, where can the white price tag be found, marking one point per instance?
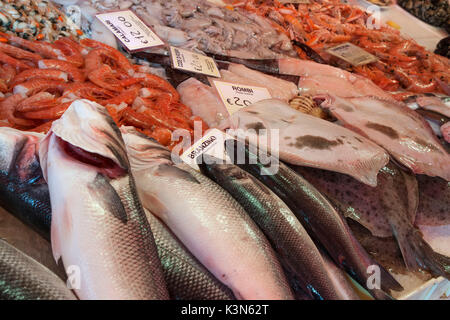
(352, 54)
(130, 30)
(212, 143)
(237, 96)
(193, 62)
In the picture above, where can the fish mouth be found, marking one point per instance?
(104, 165)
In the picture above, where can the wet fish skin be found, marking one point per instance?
(210, 223)
(23, 278)
(434, 201)
(23, 190)
(106, 235)
(386, 210)
(288, 237)
(318, 217)
(186, 277)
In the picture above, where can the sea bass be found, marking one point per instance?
(318, 216)
(98, 224)
(310, 141)
(210, 223)
(186, 277)
(23, 190)
(389, 209)
(290, 240)
(392, 125)
(23, 278)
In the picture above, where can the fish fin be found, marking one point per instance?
(418, 254)
(174, 172)
(55, 241)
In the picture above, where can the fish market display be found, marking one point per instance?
(310, 141)
(291, 241)
(29, 200)
(106, 235)
(443, 47)
(202, 25)
(389, 209)
(402, 64)
(35, 20)
(23, 190)
(318, 217)
(434, 12)
(186, 277)
(45, 80)
(210, 223)
(404, 133)
(22, 278)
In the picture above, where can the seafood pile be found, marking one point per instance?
(402, 64)
(202, 25)
(436, 13)
(40, 80)
(39, 20)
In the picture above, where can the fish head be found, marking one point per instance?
(19, 153)
(144, 152)
(87, 132)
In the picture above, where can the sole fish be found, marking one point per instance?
(290, 240)
(323, 223)
(23, 278)
(98, 224)
(387, 210)
(209, 222)
(309, 141)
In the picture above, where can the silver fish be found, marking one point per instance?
(210, 223)
(288, 237)
(186, 277)
(23, 190)
(23, 278)
(98, 225)
(323, 223)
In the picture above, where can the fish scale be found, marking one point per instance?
(186, 278)
(23, 278)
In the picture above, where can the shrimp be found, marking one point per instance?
(87, 91)
(74, 73)
(4, 58)
(8, 107)
(19, 53)
(71, 51)
(30, 74)
(34, 86)
(39, 101)
(104, 77)
(47, 50)
(52, 113)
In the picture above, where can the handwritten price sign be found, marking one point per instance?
(130, 30)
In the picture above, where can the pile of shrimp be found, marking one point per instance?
(39, 81)
(403, 65)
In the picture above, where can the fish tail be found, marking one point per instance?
(419, 255)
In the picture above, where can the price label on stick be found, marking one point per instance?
(237, 96)
(130, 30)
(193, 62)
(352, 54)
(212, 143)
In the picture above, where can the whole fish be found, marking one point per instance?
(387, 210)
(429, 101)
(392, 125)
(23, 190)
(210, 223)
(318, 216)
(186, 277)
(98, 224)
(288, 237)
(23, 278)
(310, 141)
